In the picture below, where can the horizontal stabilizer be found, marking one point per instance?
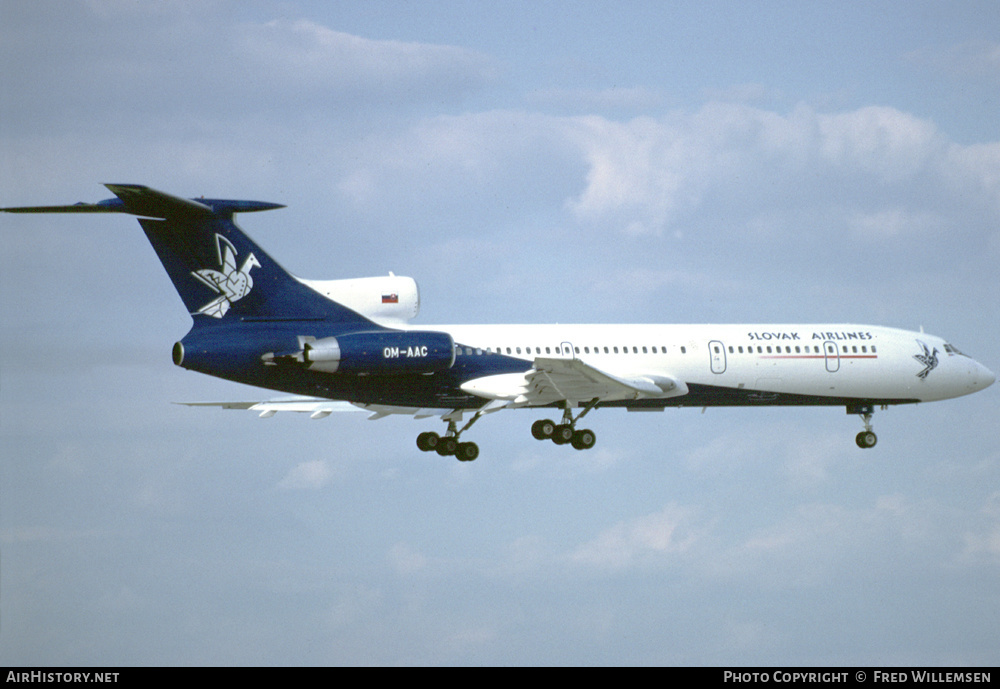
(137, 199)
(109, 206)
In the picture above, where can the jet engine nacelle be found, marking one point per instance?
(379, 353)
(390, 300)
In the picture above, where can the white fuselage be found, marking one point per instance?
(836, 361)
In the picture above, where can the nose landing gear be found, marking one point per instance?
(866, 438)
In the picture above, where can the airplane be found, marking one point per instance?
(347, 344)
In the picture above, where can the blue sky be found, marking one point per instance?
(525, 162)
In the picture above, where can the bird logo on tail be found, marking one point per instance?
(231, 283)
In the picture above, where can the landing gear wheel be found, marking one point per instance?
(563, 434)
(447, 446)
(428, 441)
(466, 452)
(543, 429)
(866, 439)
(584, 440)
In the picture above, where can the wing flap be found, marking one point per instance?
(556, 380)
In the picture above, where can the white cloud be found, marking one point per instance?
(976, 168)
(653, 537)
(639, 168)
(303, 53)
(311, 475)
(819, 542)
(891, 144)
(647, 174)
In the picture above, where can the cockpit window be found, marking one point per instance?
(952, 349)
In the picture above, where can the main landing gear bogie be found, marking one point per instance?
(566, 433)
(447, 446)
(563, 434)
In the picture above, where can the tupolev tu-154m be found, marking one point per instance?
(335, 345)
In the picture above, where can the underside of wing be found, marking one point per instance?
(316, 407)
(560, 380)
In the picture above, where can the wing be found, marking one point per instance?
(316, 407)
(557, 380)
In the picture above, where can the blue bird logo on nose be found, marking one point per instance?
(928, 359)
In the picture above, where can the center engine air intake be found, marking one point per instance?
(378, 352)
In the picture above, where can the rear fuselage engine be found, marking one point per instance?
(375, 353)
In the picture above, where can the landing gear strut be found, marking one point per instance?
(565, 433)
(866, 438)
(449, 445)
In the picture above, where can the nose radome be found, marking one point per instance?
(982, 377)
(988, 377)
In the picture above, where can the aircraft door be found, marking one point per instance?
(567, 350)
(832, 352)
(717, 354)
